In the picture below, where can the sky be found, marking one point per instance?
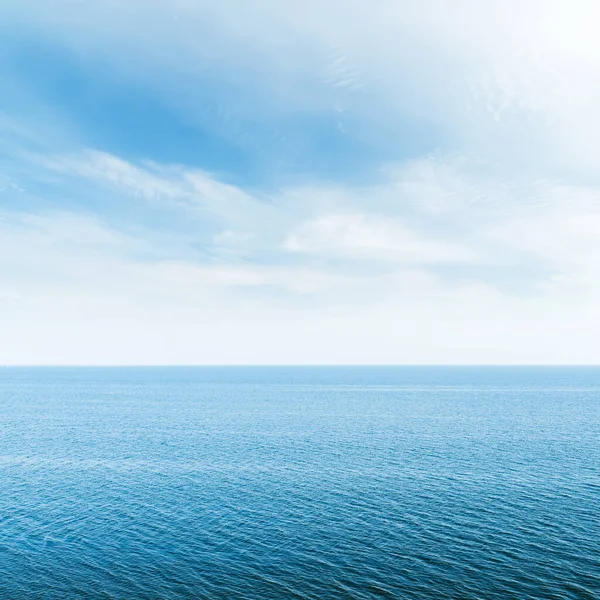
(315, 182)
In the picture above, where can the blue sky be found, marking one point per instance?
(192, 182)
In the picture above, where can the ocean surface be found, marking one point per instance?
(300, 482)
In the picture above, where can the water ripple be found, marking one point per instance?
(307, 484)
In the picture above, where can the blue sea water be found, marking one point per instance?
(300, 482)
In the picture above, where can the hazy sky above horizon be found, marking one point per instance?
(318, 182)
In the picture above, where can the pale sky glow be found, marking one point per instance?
(267, 182)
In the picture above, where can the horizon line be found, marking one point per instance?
(294, 365)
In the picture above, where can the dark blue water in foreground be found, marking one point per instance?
(300, 483)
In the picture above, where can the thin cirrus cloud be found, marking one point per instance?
(193, 182)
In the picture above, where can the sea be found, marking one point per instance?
(300, 482)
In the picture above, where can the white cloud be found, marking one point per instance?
(365, 236)
(422, 214)
(188, 188)
(76, 290)
(108, 169)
